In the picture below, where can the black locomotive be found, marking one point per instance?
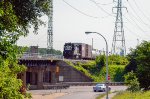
(79, 51)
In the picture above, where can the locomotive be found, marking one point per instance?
(79, 51)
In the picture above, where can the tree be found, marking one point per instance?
(132, 66)
(9, 68)
(100, 61)
(16, 16)
(141, 55)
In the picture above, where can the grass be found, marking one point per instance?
(134, 95)
(101, 96)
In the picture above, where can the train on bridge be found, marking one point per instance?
(80, 51)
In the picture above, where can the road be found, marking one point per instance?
(86, 92)
(74, 92)
(80, 92)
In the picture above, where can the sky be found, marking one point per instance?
(72, 18)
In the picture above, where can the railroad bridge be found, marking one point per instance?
(44, 71)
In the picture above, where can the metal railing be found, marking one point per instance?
(93, 83)
(38, 55)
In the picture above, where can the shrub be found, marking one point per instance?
(132, 82)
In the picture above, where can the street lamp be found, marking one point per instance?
(106, 60)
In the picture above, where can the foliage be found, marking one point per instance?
(9, 68)
(132, 82)
(100, 61)
(80, 68)
(16, 16)
(132, 66)
(134, 95)
(117, 60)
(141, 55)
(90, 69)
(116, 73)
(112, 60)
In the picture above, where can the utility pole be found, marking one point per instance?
(92, 43)
(118, 45)
(50, 29)
(138, 42)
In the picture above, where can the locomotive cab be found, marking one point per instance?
(71, 51)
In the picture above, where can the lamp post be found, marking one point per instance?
(106, 60)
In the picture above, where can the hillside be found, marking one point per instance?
(98, 72)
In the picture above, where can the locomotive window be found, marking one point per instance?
(67, 47)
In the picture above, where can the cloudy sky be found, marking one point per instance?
(73, 17)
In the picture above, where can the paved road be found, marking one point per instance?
(86, 92)
(76, 92)
(80, 92)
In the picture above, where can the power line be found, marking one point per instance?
(138, 15)
(136, 25)
(105, 3)
(132, 16)
(141, 10)
(79, 10)
(100, 7)
(132, 31)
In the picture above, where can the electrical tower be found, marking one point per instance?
(50, 28)
(118, 45)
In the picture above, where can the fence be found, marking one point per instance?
(43, 56)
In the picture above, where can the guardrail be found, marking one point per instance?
(65, 85)
(56, 86)
(38, 55)
(93, 83)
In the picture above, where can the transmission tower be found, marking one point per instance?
(118, 45)
(50, 28)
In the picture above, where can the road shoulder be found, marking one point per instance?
(48, 96)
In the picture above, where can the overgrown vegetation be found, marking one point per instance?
(140, 64)
(137, 73)
(132, 82)
(132, 95)
(97, 69)
(16, 16)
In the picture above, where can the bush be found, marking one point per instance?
(132, 82)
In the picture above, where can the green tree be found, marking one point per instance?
(100, 61)
(141, 55)
(9, 68)
(16, 16)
